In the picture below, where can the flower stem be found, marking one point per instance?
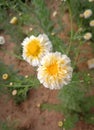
(71, 31)
(77, 54)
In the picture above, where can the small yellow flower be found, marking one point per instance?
(52, 33)
(11, 83)
(30, 29)
(26, 76)
(5, 76)
(14, 92)
(54, 13)
(88, 74)
(91, 23)
(87, 13)
(38, 105)
(81, 15)
(14, 20)
(20, 14)
(60, 123)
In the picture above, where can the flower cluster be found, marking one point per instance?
(54, 69)
(87, 14)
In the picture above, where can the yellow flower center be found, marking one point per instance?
(52, 69)
(60, 123)
(33, 48)
(5, 76)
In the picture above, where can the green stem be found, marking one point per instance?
(71, 35)
(77, 54)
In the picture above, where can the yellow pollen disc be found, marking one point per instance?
(33, 48)
(52, 69)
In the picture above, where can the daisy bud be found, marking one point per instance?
(26, 76)
(91, 0)
(30, 29)
(11, 83)
(90, 63)
(91, 23)
(88, 36)
(14, 92)
(87, 13)
(2, 40)
(14, 20)
(81, 15)
(38, 105)
(54, 13)
(5, 76)
(52, 33)
(60, 123)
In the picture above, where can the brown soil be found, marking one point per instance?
(27, 115)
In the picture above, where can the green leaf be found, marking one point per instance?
(70, 121)
(49, 107)
(89, 118)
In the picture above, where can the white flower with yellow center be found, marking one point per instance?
(55, 70)
(91, 23)
(87, 13)
(34, 48)
(88, 36)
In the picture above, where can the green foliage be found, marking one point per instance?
(70, 121)
(6, 126)
(72, 97)
(35, 14)
(47, 25)
(43, 15)
(25, 18)
(77, 8)
(16, 82)
(74, 103)
(49, 107)
(89, 118)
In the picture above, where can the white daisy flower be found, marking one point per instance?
(91, 0)
(2, 40)
(88, 36)
(34, 48)
(55, 70)
(87, 13)
(91, 23)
